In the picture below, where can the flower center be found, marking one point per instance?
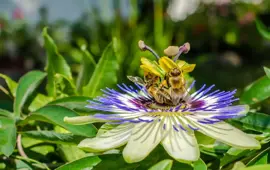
(165, 107)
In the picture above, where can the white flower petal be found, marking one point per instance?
(145, 137)
(181, 145)
(109, 140)
(228, 134)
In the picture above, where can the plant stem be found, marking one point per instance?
(19, 146)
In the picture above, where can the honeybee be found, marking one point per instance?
(177, 85)
(154, 87)
(169, 91)
(164, 80)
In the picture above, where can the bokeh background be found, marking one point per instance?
(225, 43)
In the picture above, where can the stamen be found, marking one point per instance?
(144, 47)
(182, 49)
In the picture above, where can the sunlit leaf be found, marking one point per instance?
(229, 158)
(262, 160)
(162, 165)
(257, 167)
(238, 166)
(199, 165)
(87, 67)
(258, 158)
(105, 73)
(267, 71)
(257, 91)
(53, 137)
(39, 101)
(7, 136)
(55, 114)
(84, 163)
(70, 152)
(234, 151)
(20, 165)
(262, 29)
(55, 63)
(12, 85)
(27, 84)
(64, 86)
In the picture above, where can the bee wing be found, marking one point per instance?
(152, 67)
(167, 64)
(137, 80)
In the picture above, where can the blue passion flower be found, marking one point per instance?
(161, 110)
(142, 123)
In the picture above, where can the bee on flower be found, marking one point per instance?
(160, 109)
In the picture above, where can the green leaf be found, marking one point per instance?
(84, 163)
(70, 152)
(257, 91)
(87, 68)
(255, 121)
(105, 73)
(27, 84)
(12, 85)
(262, 29)
(64, 86)
(8, 136)
(53, 137)
(55, 114)
(267, 71)
(55, 63)
(229, 158)
(257, 167)
(162, 165)
(258, 156)
(33, 162)
(263, 160)
(234, 151)
(39, 101)
(76, 103)
(199, 165)
(238, 165)
(20, 165)
(5, 113)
